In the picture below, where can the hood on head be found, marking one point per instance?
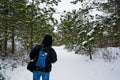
(47, 40)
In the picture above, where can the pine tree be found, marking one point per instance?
(25, 22)
(82, 31)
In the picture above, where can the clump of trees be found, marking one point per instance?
(24, 23)
(82, 32)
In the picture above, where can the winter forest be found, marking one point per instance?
(92, 30)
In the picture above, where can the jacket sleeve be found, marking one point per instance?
(34, 52)
(53, 56)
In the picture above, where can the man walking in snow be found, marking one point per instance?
(44, 55)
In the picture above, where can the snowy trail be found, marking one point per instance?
(72, 67)
(76, 67)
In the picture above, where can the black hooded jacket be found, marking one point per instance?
(51, 56)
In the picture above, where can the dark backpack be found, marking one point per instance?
(38, 62)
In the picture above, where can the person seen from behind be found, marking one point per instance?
(45, 55)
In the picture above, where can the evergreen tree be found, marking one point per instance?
(82, 31)
(25, 22)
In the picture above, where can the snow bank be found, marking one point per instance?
(108, 54)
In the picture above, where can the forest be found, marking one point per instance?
(23, 24)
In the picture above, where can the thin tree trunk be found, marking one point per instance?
(31, 46)
(5, 25)
(5, 40)
(118, 23)
(13, 41)
(90, 51)
(13, 22)
(117, 27)
(32, 25)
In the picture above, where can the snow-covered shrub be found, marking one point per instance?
(108, 54)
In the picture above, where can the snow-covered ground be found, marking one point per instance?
(71, 66)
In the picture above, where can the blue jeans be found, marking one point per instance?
(37, 75)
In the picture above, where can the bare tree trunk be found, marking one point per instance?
(13, 29)
(90, 52)
(13, 41)
(5, 25)
(5, 40)
(31, 42)
(31, 46)
(117, 27)
(118, 22)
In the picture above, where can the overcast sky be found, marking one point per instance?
(65, 5)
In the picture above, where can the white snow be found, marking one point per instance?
(91, 32)
(85, 42)
(71, 66)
